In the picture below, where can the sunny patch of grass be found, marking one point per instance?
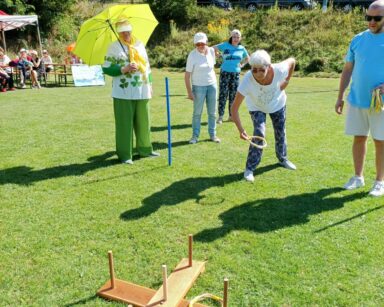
(291, 238)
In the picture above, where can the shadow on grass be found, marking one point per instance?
(25, 175)
(175, 95)
(269, 214)
(161, 145)
(314, 92)
(82, 301)
(174, 127)
(183, 190)
(350, 218)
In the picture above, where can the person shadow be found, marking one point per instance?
(25, 175)
(191, 189)
(162, 145)
(174, 127)
(270, 214)
(83, 301)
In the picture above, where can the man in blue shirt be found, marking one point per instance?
(365, 66)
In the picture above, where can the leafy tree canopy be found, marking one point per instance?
(47, 10)
(166, 10)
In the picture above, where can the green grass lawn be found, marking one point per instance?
(293, 238)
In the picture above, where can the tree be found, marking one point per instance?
(166, 10)
(47, 10)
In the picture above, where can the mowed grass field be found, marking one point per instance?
(293, 238)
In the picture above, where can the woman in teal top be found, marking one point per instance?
(235, 56)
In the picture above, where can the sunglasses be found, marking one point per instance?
(261, 68)
(200, 44)
(375, 18)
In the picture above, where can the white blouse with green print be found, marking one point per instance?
(131, 86)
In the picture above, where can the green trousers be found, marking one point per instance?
(132, 116)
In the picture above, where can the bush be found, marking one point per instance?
(317, 40)
(315, 65)
(166, 10)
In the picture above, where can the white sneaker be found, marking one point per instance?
(215, 139)
(129, 161)
(193, 140)
(154, 154)
(248, 175)
(219, 120)
(377, 189)
(354, 183)
(288, 165)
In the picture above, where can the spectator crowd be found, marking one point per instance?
(27, 65)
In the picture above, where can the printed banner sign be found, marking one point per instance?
(84, 75)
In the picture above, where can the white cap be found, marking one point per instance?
(23, 50)
(235, 31)
(200, 37)
(124, 28)
(260, 57)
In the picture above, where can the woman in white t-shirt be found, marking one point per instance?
(263, 88)
(200, 72)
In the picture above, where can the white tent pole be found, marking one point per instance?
(38, 34)
(5, 45)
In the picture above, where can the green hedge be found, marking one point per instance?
(317, 40)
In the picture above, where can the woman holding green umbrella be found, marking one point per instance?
(127, 62)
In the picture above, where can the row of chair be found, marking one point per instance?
(61, 74)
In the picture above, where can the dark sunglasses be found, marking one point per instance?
(262, 68)
(375, 18)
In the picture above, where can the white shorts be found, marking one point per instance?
(360, 122)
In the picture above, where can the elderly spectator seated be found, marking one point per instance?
(4, 77)
(24, 64)
(46, 61)
(36, 69)
(6, 71)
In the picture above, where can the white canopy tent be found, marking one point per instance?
(11, 22)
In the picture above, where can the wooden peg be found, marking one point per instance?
(190, 250)
(111, 269)
(165, 283)
(225, 296)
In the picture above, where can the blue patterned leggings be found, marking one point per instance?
(278, 122)
(229, 82)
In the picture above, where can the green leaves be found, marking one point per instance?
(169, 9)
(115, 61)
(124, 83)
(136, 81)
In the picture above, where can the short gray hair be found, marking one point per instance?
(260, 57)
(378, 4)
